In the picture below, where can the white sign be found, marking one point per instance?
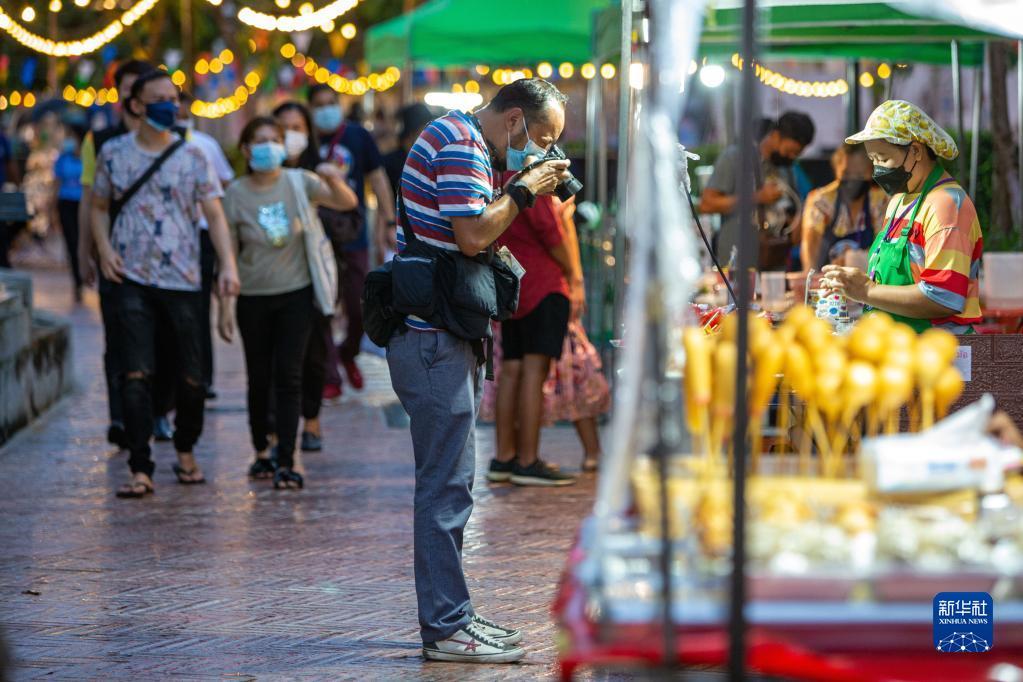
(964, 362)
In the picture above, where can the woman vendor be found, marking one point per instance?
(924, 262)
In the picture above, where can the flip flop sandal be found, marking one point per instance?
(262, 469)
(134, 490)
(181, 472)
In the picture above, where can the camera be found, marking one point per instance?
(567, 188)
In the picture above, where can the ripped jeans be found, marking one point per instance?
(143, 313)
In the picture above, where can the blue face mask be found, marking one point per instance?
(327, 119)
(515, 159)
(267, 156)
(162, 115)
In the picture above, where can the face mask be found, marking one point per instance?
(515, 159)
(327, 118)
(894, 180)
(779, 161)
(266, 156)
(853, 189)
(295, 143)
(162, 115)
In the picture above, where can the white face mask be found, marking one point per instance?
(295, 143)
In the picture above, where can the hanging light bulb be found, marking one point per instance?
(348, 31)
(28, 14)
(56, 6)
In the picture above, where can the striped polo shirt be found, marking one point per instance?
(447, 174)
(945, 248)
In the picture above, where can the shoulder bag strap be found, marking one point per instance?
(118, 204)
(406, 226)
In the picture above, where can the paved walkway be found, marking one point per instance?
(234, 581)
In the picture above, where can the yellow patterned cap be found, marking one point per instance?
(901, 122)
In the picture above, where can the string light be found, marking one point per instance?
(607, 71)
(866, 80)
(799, 88)
(16, 99)
(81, 3)
(565, 70)
(588, 71)
(28, 14)
(306, 19)
(328, 27)
(339, 84)
(73, 48)
(544, 70)
(86, 97)
(884, 71)
(482, 69)
(222, 106)
(348, 31)
(55, 6)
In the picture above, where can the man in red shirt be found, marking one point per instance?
(551, 292)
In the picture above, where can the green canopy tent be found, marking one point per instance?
(466, 32)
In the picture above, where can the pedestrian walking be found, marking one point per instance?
(148, 188)
(346, 144)
(275, 310)
(68, 172)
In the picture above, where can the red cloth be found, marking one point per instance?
(530, 238)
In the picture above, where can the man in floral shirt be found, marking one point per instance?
(152, 250)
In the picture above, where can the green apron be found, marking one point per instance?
(889, 262)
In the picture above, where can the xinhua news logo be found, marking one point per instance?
(964, 622)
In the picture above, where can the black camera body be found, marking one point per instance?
(569, 187)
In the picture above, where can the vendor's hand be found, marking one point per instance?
(852, 282)
(111, 265)
(225, 320)
(768, 194)
(1004, 429)
(545, 177)
(227, 281)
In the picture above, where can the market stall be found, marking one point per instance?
(782, 493)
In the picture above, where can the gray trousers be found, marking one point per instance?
(439, 383)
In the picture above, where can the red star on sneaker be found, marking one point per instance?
(471, 645)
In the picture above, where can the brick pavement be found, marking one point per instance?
(233, 580)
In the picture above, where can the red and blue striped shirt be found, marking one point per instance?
(448, 174)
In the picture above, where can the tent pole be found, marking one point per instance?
(957, 97)
(1019, 128)
(978, 96)
(592, 94)
(748, 106)
(852, 98)
(624, 127)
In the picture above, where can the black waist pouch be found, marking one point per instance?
(379, 318)
(415, 278)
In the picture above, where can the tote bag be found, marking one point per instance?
(319, 252)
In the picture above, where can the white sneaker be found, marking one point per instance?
(472, 645)
(495, 631)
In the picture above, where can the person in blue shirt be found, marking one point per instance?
(68, 172)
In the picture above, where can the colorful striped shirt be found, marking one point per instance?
(945, 249)
(447, 174)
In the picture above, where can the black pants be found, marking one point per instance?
(208, 264)
(68, 212)
(142, 312)
(314, 367)
(113, 350)
(275, 332)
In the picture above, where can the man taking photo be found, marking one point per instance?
(447, 189)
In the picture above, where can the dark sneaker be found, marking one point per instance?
(540, 473)
(262, 469)
(287, 478)
(495, 631)
(500, 472)
(311, 442)
(472, 645)
(162, 430)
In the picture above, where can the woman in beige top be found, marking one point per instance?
(274, 312)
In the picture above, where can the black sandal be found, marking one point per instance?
(181, 472)
(289, 479)
(134, 490)
(262, 469)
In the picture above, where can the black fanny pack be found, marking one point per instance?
(447, 289)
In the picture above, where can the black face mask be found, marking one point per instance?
(853, 189)
(779, 161)
(894, 180)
